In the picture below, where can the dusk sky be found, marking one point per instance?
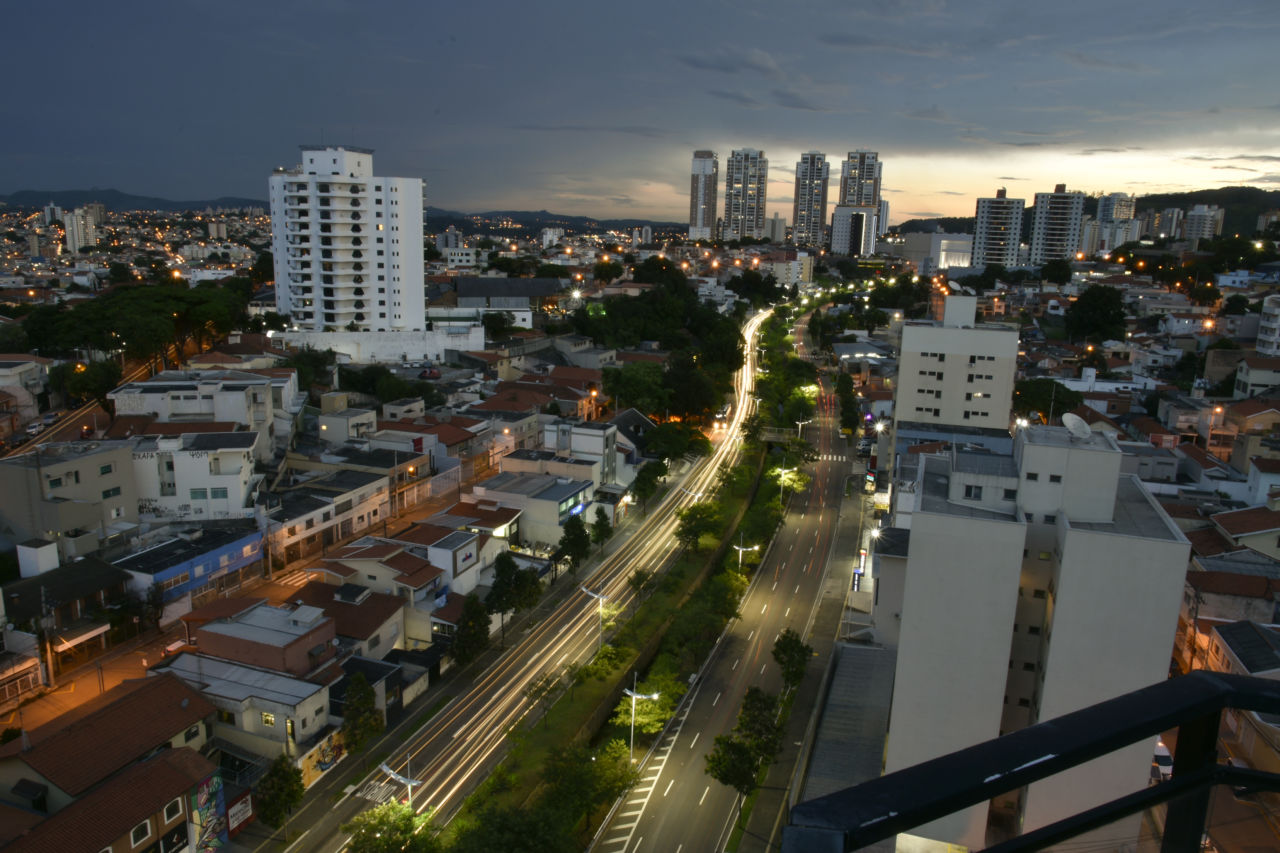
(595, 108)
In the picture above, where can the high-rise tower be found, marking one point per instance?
(1055, 227)
(704, 184)
(347, 244)
(746, 181)
(997, 230)
(809, 212)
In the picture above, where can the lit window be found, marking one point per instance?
(268, 719)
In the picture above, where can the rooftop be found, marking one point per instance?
(235, 682)
(1256, 647)
(267, 625)
(179, 550)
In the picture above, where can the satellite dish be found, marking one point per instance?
(1076, 425)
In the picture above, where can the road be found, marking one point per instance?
(461, 744)
(677, 806)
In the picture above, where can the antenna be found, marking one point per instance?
(1076, 425)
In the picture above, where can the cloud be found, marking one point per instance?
(1267, 179)
(735, 97)
(858, 41)
(736, 62)
(795, 101)
(1026, 144)
(923, 214)
(626, 129)
(930, 114)
(1249, 158)
(950, 192)
(1089, 152)
(1235, 168)
(622, 200)
(1009, 178)
(1095, 63)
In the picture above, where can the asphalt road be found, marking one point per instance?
(677, 806)
(461, 744)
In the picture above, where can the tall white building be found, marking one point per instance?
(1031, 585)
(1115, 206)
(997, 230)
(860, 179)
(81, 228)
(1203, 222)
(347, 244)
(1269, 327)
(854, 229)
(746, 179)
(704, 185)
(1055, 225)
(809, 210)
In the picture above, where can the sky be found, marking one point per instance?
(595, 108)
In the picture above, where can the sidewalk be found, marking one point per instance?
(763, 830)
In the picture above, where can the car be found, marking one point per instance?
(1162, 760)
(35, 428)
(50, 418)
(86, 431)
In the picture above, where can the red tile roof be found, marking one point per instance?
(1199, 456)
(452, 610)
(1208, 542)
(109, 813)
(1253, 406)
(106, 734)
(1244, 522)
(1265, 465)
(350, 620)
(1230, 583)
(1259, 362)
(222, 608)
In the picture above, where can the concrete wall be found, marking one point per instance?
(391, 347)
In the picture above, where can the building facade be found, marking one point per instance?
(809, 210)
(1055, 225)
(704, 184)
(853, 229)
(746, 182)
(997, 230)
(347, 244)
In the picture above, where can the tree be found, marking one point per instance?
(1237, 303)
(497, 324)
(514, 589)
(651, 715)
(391, 828)
(792, 655)
(551, 271)
(95, 381)
(540, 690)
(645, 485)
(13, 338)
(601, 529)
(1097, 313)
(472, 635)
(575, 542)
(361, 719)
(732, 762)
(758, 725)
(279, 791)
(1057, 271)
(1047, 397)
(606, 271)
(640, 582)
(695, 521)
(264, 269)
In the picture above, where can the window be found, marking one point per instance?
(228, 717)
(973, 493)
(1011, 494)
(1055, 478)
(1029, 667)
(1040, 593)
(199, 494)
(1050, 519)
(218, 494)
(1024, 703)
(1033, 476)
(55, 482)
(268, 719)
(106, 469)
(1033, 629)
(375, 640)
(113, 492)
(140, 833)
(173, 810)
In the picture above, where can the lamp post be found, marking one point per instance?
(800, 427)
(405, 780)
(741, 550)
(782, 482)
(634, 696)
(601, 598)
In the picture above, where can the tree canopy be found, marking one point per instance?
(361, 719)
(1097, 314)
(279, 791)
(1047, 397)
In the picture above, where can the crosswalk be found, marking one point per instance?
(832, 457)
(378, 792)
(295, 579)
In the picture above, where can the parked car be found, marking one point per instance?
(1162, 761)
(50, 418)
(864, 446)
(35, 428)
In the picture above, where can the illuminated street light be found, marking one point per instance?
(800, 427)
(652, 697)
(742, 550)
(602, 598)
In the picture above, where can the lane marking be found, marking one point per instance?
(704, 795)
(715, 700)
(695, 739)
(766, 607)
(669, 784)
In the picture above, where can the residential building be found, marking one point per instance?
(81, 229)
(195, 566)
(775, 229)
(196, 476)
(545, 501)
(80, 495)
(998, 230)
(746, 187)
(1255, 374)
(704, 184)
(313, 511)
(397, 568)
(1203, 222)
(860, 179)
(1269, 329)
(809, 209)
(593, 441)
(1060, 553)
(955, 372)
(1115, 207)
(1055, 225)
(853, 229)
(367, 624)
(296, 640)
(347, 244)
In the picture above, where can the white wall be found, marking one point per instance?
(390, 347)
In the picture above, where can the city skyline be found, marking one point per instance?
(607, 108)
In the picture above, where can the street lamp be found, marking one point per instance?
(602, 598)
(782, 472)
(741, 550)
(634, 696)
(800, 427)
(403, 780)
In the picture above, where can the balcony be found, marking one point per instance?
(1178, 807)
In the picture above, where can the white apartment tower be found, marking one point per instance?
(854, 229)
(347, 244)
(81, 228)
(1033, 584)
(746, 181)
(1115, 207)
(809, 211)
(1055, 225)
(860, 179)
(998, 230)
(704, 184)
(1203, 222)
